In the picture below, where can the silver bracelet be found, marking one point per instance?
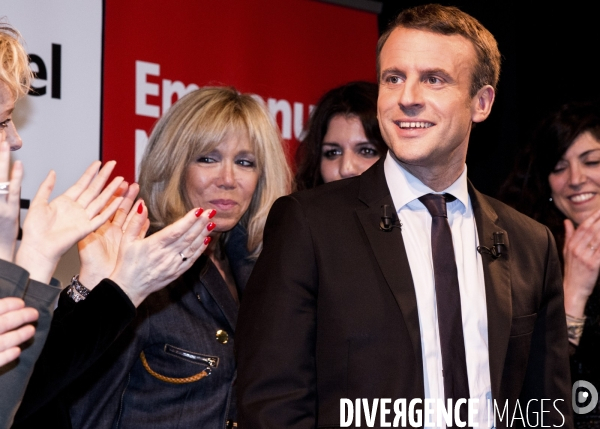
(76, 291)
(575, 328)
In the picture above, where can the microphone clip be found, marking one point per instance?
(389, 220)
(498, 247)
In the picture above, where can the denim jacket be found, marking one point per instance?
(174, 367)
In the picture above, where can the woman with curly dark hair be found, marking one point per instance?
(558, 184)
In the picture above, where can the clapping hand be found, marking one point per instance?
(147, 264)
(582, 263)
(99, 250)
(51, 228)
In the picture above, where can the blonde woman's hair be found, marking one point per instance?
(195, 125)
(15, 71)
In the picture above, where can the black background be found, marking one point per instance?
(549, 57)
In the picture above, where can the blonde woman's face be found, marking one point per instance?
(8, 131)
(224, 180)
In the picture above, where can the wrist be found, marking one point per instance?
(133, 295)
(575, 300)
(89, 279)
(40, 267)
(8, 240)
(7, 253)
(77, 291)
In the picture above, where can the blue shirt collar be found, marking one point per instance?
(404, 187)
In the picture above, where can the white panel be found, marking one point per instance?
(61, 134)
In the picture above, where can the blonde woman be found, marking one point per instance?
(174, 367)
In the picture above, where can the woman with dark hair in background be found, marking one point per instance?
(558, 184)
(342, 137)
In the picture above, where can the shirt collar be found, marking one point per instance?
(404, 187)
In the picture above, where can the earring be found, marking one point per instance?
(550, 199)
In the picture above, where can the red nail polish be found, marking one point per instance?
(211, 226)
(212, 214)
(199, 212)
(140, 208)
(207, 241)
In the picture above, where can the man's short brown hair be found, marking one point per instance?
(449, 20)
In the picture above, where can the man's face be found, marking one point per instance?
(424, 107)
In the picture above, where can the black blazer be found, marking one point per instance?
(330, 310)
(80, 333)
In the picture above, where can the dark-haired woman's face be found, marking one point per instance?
(575, 181)
(346, 151)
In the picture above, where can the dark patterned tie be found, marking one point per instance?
(456, 381)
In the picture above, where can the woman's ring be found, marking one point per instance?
(4, 188)
(183, 258)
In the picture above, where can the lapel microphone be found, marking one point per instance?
(388, 219)
(498, 247)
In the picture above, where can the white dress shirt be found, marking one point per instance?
(416, 232)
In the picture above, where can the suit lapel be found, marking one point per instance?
(389, 251)
(497, 288)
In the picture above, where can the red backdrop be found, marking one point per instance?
(292, 50)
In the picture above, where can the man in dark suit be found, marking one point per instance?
(354, 307)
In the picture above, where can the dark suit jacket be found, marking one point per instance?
(330, 310)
